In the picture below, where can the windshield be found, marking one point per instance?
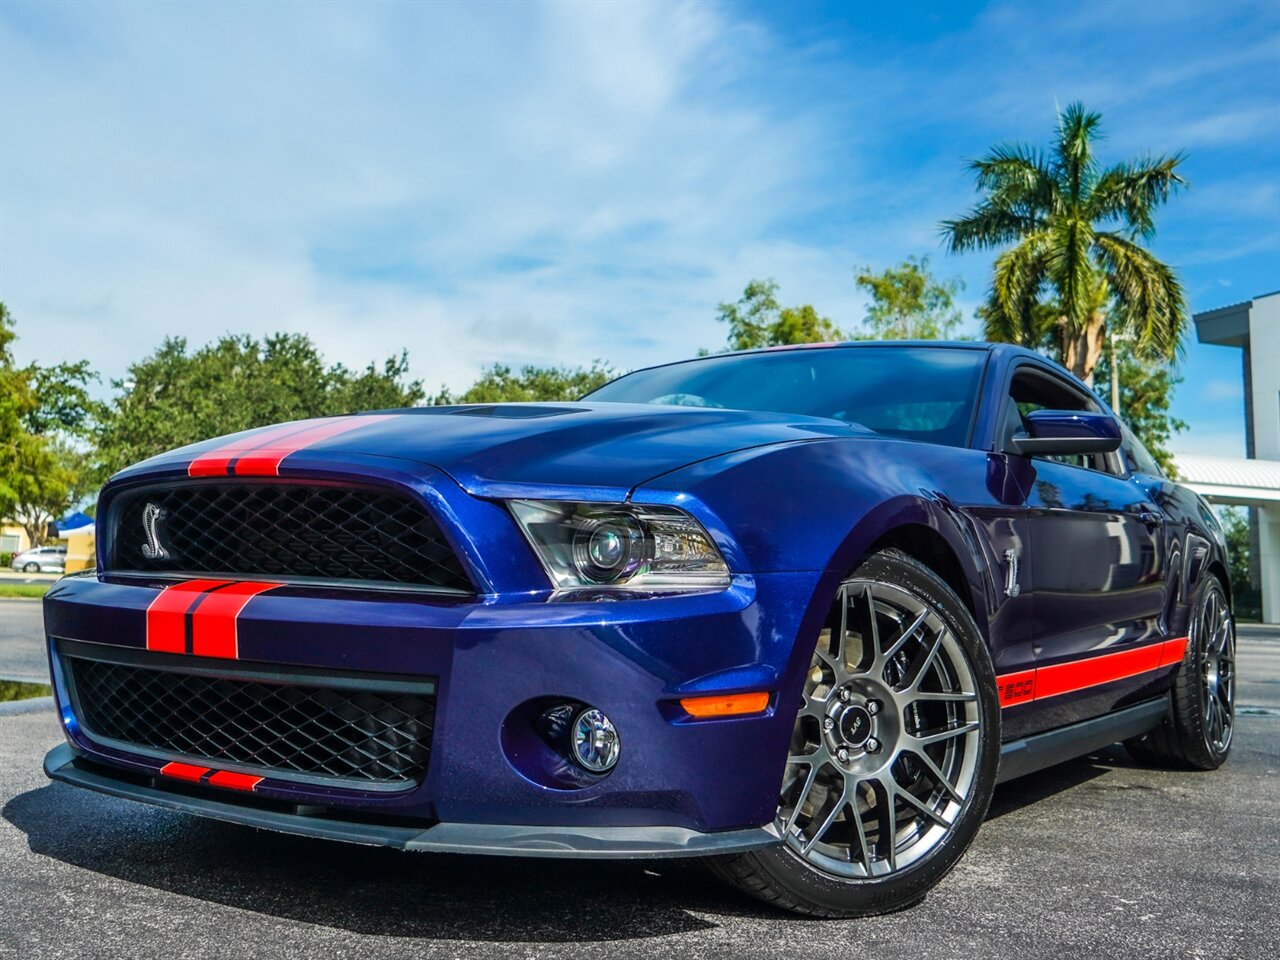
(912, 392)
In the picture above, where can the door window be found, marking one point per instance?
(1032, 390)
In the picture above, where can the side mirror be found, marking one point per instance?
(1063, 432)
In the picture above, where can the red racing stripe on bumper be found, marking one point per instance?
(1044, 682)
(184, 771)
(234, 781)
(215, 778)
(214, 629)
(166, 628)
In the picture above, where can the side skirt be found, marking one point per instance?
(1020, 757)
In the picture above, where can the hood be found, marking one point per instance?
(607, 445)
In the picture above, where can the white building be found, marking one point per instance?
(1254, 326)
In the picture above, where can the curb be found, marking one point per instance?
(16, 708)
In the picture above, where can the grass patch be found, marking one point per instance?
(34, 590)
(17, 690)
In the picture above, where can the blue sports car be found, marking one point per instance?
(795, 611)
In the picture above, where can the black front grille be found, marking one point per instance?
(291, 531)
(361, 735)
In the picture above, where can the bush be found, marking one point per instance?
(6, 558)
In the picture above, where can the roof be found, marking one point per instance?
(1227, 325)
(1230, 479)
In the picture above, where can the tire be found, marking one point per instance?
(1196, 732)
(913, 718)
(31, 568)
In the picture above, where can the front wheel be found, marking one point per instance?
(31, 568)
(894, 752)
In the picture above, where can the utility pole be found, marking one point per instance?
(1115, 376)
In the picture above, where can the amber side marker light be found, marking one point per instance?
(721, 706)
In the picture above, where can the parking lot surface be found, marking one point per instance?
(1095, 858)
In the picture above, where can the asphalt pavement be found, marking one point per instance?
(1096, 857)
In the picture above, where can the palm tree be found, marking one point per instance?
(1078, 254)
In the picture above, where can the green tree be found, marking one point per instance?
(909, 303)
(1145, 393)
(499, 384)
(1246, 597)
(43, 411)
(175, 396)
(1075, 234)
(758, 320)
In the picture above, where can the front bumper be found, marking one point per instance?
(62, 764)
(682, 787)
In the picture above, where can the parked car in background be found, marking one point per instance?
(40, 560)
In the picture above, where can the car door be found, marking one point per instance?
(1097, 564)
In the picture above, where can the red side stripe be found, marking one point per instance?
(166, 615)
(214, 632)
(234, 781)
(1053, 681)
(1173, 651)
(1016, 687)
(217, 462)
(265, 459)
(184, 771)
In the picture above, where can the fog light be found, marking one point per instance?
(595, 741)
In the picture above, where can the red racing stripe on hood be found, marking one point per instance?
(217, 462)
(261, 454)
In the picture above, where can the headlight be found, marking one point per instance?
(608, 546)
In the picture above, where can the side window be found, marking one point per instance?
(1137, 457)
(1033, 390)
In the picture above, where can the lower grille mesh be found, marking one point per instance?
(370, 736)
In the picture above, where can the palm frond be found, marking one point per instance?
(1150, 303)
(1077, 129)
(1070, 269)
(1009, 315)
(1129, 192)
(988, 225)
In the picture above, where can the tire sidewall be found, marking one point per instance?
(1198, 729)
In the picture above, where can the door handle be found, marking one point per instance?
(1150, 518)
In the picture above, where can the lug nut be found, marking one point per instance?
(873, 745)
(842, 755)
(873, 707)
(845, 695)
(828, 724)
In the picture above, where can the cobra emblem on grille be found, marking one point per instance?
(153, 549)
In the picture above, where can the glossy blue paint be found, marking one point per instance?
(793, 502)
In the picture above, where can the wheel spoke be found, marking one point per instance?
(864, 851)
(887, 814)
(902, 641)
(941, 735)
(962, 696)
(876, 655)
(936, 773)
(826, 823)
(804, 794)
(918, 675)
(913, 801)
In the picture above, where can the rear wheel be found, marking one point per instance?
(1197, 730)
(893, 755)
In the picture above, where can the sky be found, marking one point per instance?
(561, 182)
